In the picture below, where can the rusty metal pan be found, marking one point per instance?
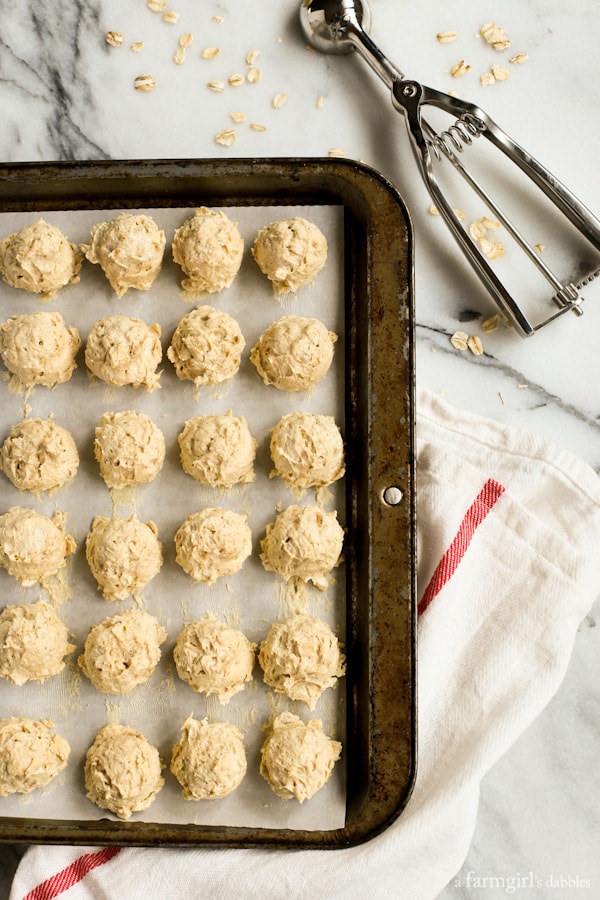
(380, 746)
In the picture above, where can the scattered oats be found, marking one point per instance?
(238, 116)
(498, 250)
(157, 5)
(459, 213)
(522, 385)
(210, 52)
(452, 93)
(499, 72)
(485, 245)
(459, 340)
(491, 324)
(254, 75)
(433, 348)
(475, 345)
(226, 138)
(320, 102)
(137, 46)
(251, 57)
(502, 43)
(236, 80)
(490, 224)
(477, 230)
(518, 58)
(171, 17)
(486, 79)
(501, 397)
(114, 38)
(256, 126)
(218, 19)
(336, 152)
(144, 83)
(461, 68)
(217, 86)
(444, 37)
(179, 56)
(279, 100)
(539, 248)
(433, 210)
(495, 36)
(186, 40)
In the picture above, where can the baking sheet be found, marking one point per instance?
(250, 600)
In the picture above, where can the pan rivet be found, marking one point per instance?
(409, 90)
(392, 496)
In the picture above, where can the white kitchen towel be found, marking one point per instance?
(508, 565)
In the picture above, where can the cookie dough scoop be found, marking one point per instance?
(129, 249)
(39, 259)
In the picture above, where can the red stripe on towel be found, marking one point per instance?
(73, 874)
(481, 506)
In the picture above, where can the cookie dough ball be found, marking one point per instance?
(303, 542)
(33, 643)
(129, 249)
(297, 757)
(30, 755)
(218, 450)
(301, 658)
(209, 249)
(212, 543)
(294, 353)
(129, 447)
(39, 349)
(307, 450)
(124, 555)
(209, 761)
(214, 658)
(207, 346)
(122, 350)
(122, 652)
(122, 771)
(33, 547)
(39, 455)
(290, 253)
(39, 259)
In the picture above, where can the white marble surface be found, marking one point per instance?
(65, 94)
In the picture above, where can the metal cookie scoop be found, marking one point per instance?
(339, 26)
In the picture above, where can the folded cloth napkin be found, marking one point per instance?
(508, 565)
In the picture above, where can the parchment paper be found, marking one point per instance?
(250, 600)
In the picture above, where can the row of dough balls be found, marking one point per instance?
(293, 354)
(303, 543)
(130, 248)
(300, 657)
(123, 771)
(307, 450)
